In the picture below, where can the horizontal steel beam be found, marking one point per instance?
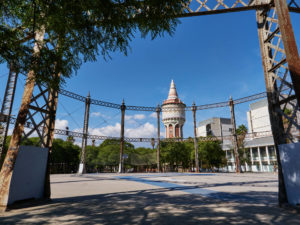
(212, 7)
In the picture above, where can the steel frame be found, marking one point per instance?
(281, 66)
(280, 61)
(142, 139)
(81, 169)
(153, 109)
(7, 105)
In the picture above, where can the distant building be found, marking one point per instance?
(214, 127)
(173, 114)
(258, 143)
(219, 127)
(258, 117)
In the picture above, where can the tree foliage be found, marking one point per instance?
(63, 152)
(77, 31)
(211, 154)
(244, 153)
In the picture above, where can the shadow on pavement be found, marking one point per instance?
(153, 206)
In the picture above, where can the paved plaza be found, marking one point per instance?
(172, 198)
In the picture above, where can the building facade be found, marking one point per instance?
(258, 143)
(214, 127)
(258, 117)
(173, 114)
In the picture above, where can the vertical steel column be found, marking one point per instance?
(281, 65)
(121, 162)
(82, 168)
(194, 108)
(158, 110)
(7, 105)
(289, 43)
(49, 134)
(234, 138)
(12, 152)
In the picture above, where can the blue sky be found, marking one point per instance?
(210, 58)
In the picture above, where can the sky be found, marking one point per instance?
(210, 58)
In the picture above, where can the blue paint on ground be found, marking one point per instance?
(192, 190)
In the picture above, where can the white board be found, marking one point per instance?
(29, 174)
(290, 161)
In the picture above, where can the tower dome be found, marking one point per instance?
(173, 114)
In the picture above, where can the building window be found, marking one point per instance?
(208, 130)
(170, 131)
(177, 130)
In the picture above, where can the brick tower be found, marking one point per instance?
(173, 114)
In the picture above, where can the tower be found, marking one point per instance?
(173, 114)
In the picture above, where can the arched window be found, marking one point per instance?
(177, 130)
(171, 131)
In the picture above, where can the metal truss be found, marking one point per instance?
(143, 139)
(250, 98)
(72, 95)
(284, 108)
(7, 105)
(141, 108)
(153, 109)
(41, 116)
(209, 7)
(277, 67)
(281, 66)
(106, 104)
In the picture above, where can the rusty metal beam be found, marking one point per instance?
(11, 155)
(281, 63)
(212, 7)
(48, 132)
(234, 137)
(194, 109)
(121, 162)
(158, 110)
(7, 105)
(82, 165)
(289, 43)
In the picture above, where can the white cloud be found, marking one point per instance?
(95, 114)
(61, 124)
(112, 131)
(145, 130)
(139, 116)
(135, 117)
(127, 117)
(132, 119)
(99, 114)
(153, 115)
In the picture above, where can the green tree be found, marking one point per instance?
(142, 156)
(175, 154)
(66, 154)
(211, 154)
(244, 153)
(77, 31)
(63, 152)
(106, 155)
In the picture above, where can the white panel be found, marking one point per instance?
(260, 119)
(29, 174)
(201, 131)
(289, 157)
(249, 122)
